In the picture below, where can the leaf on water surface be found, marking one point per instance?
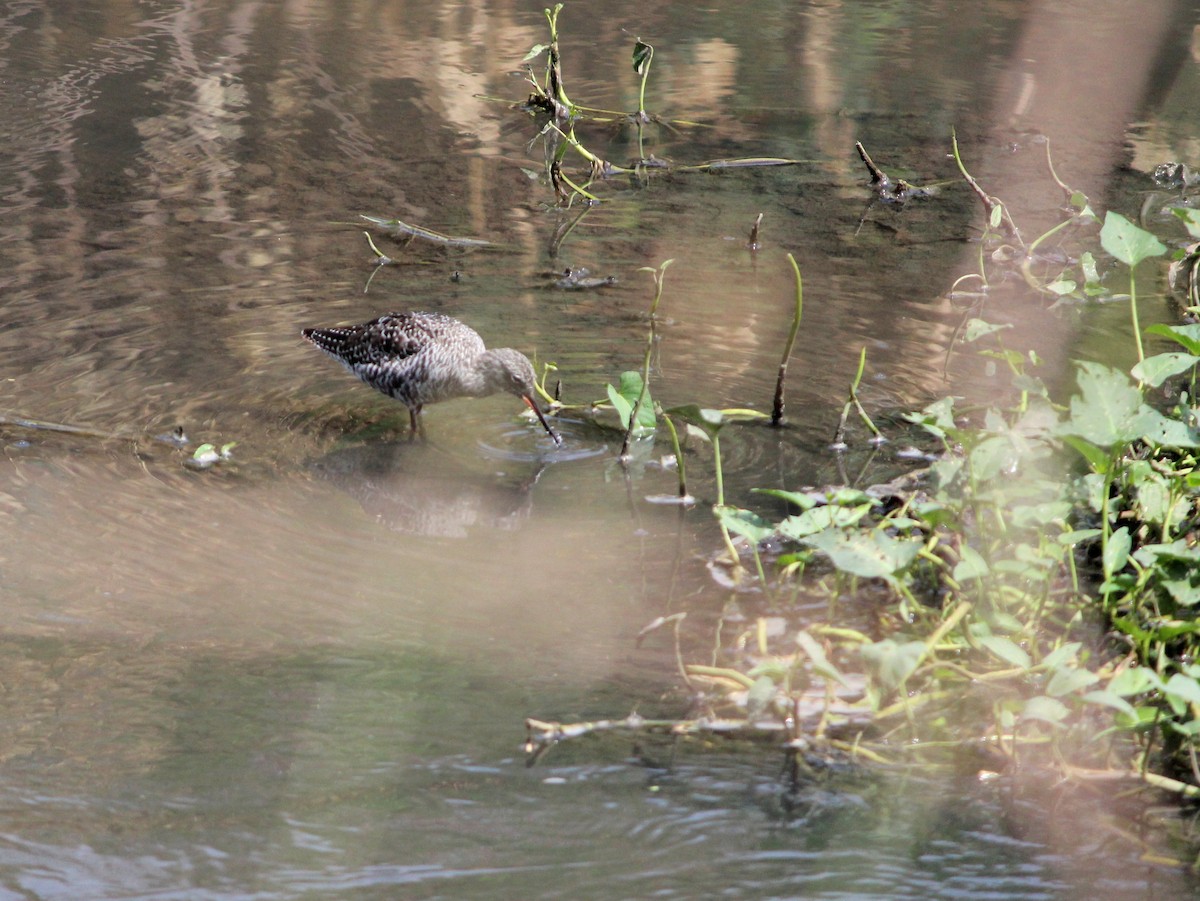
(873, 555)
(979, 328)
(1157, 369)
(745, 523)
(819, 519)
(805, 500)
(1127, 242)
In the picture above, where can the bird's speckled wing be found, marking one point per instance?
(399, 353)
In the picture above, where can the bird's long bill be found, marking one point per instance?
(532, 404)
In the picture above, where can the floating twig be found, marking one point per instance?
(997, 212)
(398, 227)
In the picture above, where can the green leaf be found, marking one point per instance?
(1007, 650)
(623, 407)
(1062, 286)
(971, 566)
(816, 655)
(890, 663)
(707, 420)
(1110, 699)
(745, 523)
(1164, 431)
(873, 555)
(1116, 553)
(1185, 688)
(1062, 655)
(978, 328)
(761, 693)
(642, 53)
(1069, 680)
(1157, 369)
(819, 519)
(625, 397)
(1105, 410)
(1134, 680)
(1127, 242)
(993, 456)
(535, 51)
(1047, 710)
(805, 500)
(1096, 457)
(937, 418)
(1190, 217)
(1188, 336)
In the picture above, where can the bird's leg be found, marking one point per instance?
(414, 423)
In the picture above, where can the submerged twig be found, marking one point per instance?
(41, 425)
(397, 227)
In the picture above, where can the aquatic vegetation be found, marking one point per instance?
(549, 99)
(1037, 518)
(207, 455)
(797, 316)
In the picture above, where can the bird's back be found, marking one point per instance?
(414, 357)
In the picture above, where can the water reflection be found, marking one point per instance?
(410, 487)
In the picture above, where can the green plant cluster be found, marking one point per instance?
(1039, 524)
(1043, 573)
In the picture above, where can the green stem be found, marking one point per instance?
(1133, 315)
(659, 277)
(716, 443)
(777, 412)
(683, 492)
(645, 76)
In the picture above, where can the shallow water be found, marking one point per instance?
(304, 673)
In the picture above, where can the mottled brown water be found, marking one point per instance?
(304, 674)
